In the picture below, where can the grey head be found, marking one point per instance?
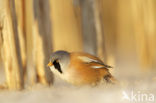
(60, 60)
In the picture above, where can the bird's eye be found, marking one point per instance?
(57, 65)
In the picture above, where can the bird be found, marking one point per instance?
(79, 68)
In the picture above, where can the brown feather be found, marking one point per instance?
(83, 73)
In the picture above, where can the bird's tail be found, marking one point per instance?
(110, 79)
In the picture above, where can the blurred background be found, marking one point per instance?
(121, 32)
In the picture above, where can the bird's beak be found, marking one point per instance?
(49, 64)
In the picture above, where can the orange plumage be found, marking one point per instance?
(83, 73)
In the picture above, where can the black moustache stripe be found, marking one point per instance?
(57, 66)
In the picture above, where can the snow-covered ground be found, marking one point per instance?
(70, 94)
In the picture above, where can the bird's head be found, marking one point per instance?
(59, 61)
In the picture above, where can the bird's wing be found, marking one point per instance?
(94, 62)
